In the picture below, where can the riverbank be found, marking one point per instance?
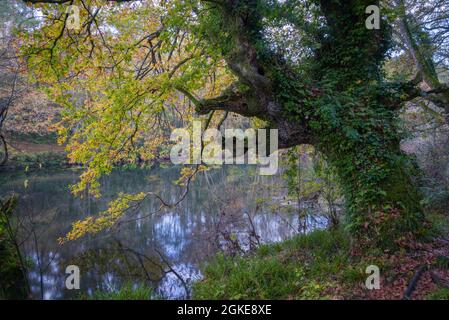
(34, 152)
(319, 265)
(322, 265)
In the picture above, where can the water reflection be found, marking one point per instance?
(224, 210)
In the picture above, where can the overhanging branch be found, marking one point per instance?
(231, 100)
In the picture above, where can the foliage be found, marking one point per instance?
(127, 292)
(321, 265)
(359, 132)
(14, 91)
(105, 219)
(309, 177)
(278, 271)
(439, 294)
(122, 78)
(434, 161)
(39, 160)
(246, 279)
(114, 113)
(13, 281)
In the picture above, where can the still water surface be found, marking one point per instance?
(228, 209)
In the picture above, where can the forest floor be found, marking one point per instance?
(322, 265)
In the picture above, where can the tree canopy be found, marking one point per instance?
(132, 70)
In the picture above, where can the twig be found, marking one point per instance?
(412, 285)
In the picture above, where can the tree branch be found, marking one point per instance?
(227, 101)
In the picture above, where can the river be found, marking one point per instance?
(230, 209)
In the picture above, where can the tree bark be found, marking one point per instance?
(377, 178)
(422, 59)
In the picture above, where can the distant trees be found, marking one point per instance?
(13, 15)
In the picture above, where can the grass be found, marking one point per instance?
(242, 278)
(323, 265)
(305, 267)
(40, 159)
(126, 292)
(439, 294)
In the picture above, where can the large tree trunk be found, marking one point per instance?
(379, 181)
(343, 108)
(380, 188)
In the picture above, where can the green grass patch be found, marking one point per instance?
(39, 159)
(301, 268)
(127, 292)
(439, 294)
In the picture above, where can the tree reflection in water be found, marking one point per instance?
(222, 212)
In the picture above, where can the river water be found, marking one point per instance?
(230, 209)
